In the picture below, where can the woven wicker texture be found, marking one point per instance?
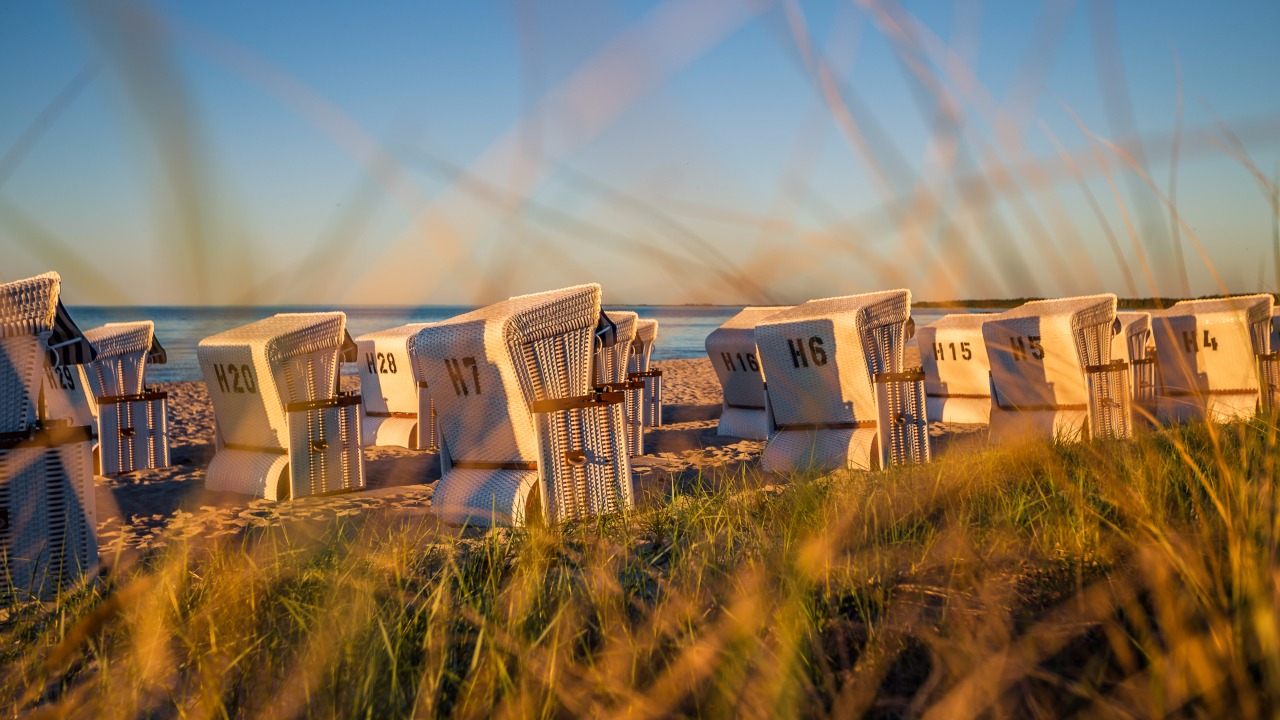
(902, 421)
(732, 349)
(48, 539)
(641, 358)
(252, 372)
(324, 450)
(122, 356)
(48, 517)
(1131, 344)
(27, 309)
(485, 369)
(611, 362)
(1207, 352)
(612, 366)
(957, 376)
(133, 435)
(1039, 353)
(820, 359)
(800, 450)
(389, 414)
(1274, 342)
(1269, 368)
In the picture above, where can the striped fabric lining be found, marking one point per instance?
(67, 342)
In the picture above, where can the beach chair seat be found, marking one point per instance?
(1209, 355)
(837, 386)
(640, 367)
(1052, 374)
(133, 426)
(957, 375)
(732, 349)
(283, 428)
(518, 411)
(48, 513)
(1134, 345)
(613, 362)
(395, 402)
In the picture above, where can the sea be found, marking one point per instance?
(682, 330)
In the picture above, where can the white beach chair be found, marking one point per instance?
(837, 387)
(1052, 374)
(1209, 352)
(613, 361)
(48, 515)
(1269, 368)
(517, 411)
(133, 425)
(283, 428)
(640, 368)
(395, 401)
(957, 376)
(732, 349)
(1134, 344)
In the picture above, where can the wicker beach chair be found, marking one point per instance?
(1052, 374)
(48, 515)
(517, 411)
(1209, 356)
(283, 428)
(732, 349)
(1134, 344)
(957, 376)
(133, 425)
(639, 367)
(395, 401)
(1269, 368)
(838, 390)
(613, 363)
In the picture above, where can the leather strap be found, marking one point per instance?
(139, 397)
(255, 448)
(1039, 408)
(645, 373)
(46, 436)
(1194, 393)
(333, 402)
(860, 425)
(595, 399)
(621, 387)
(483, 465)
(911, 375)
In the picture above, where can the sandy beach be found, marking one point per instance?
(144, 510)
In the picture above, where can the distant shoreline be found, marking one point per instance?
(987, 303)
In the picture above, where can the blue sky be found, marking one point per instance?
(403, 152)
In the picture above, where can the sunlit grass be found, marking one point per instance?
(1136, 577)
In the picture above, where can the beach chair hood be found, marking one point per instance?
(957, 375)
(732, 350)
(1208, 351)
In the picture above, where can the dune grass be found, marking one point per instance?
(1120, 578)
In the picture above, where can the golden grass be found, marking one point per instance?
(1135, 578)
